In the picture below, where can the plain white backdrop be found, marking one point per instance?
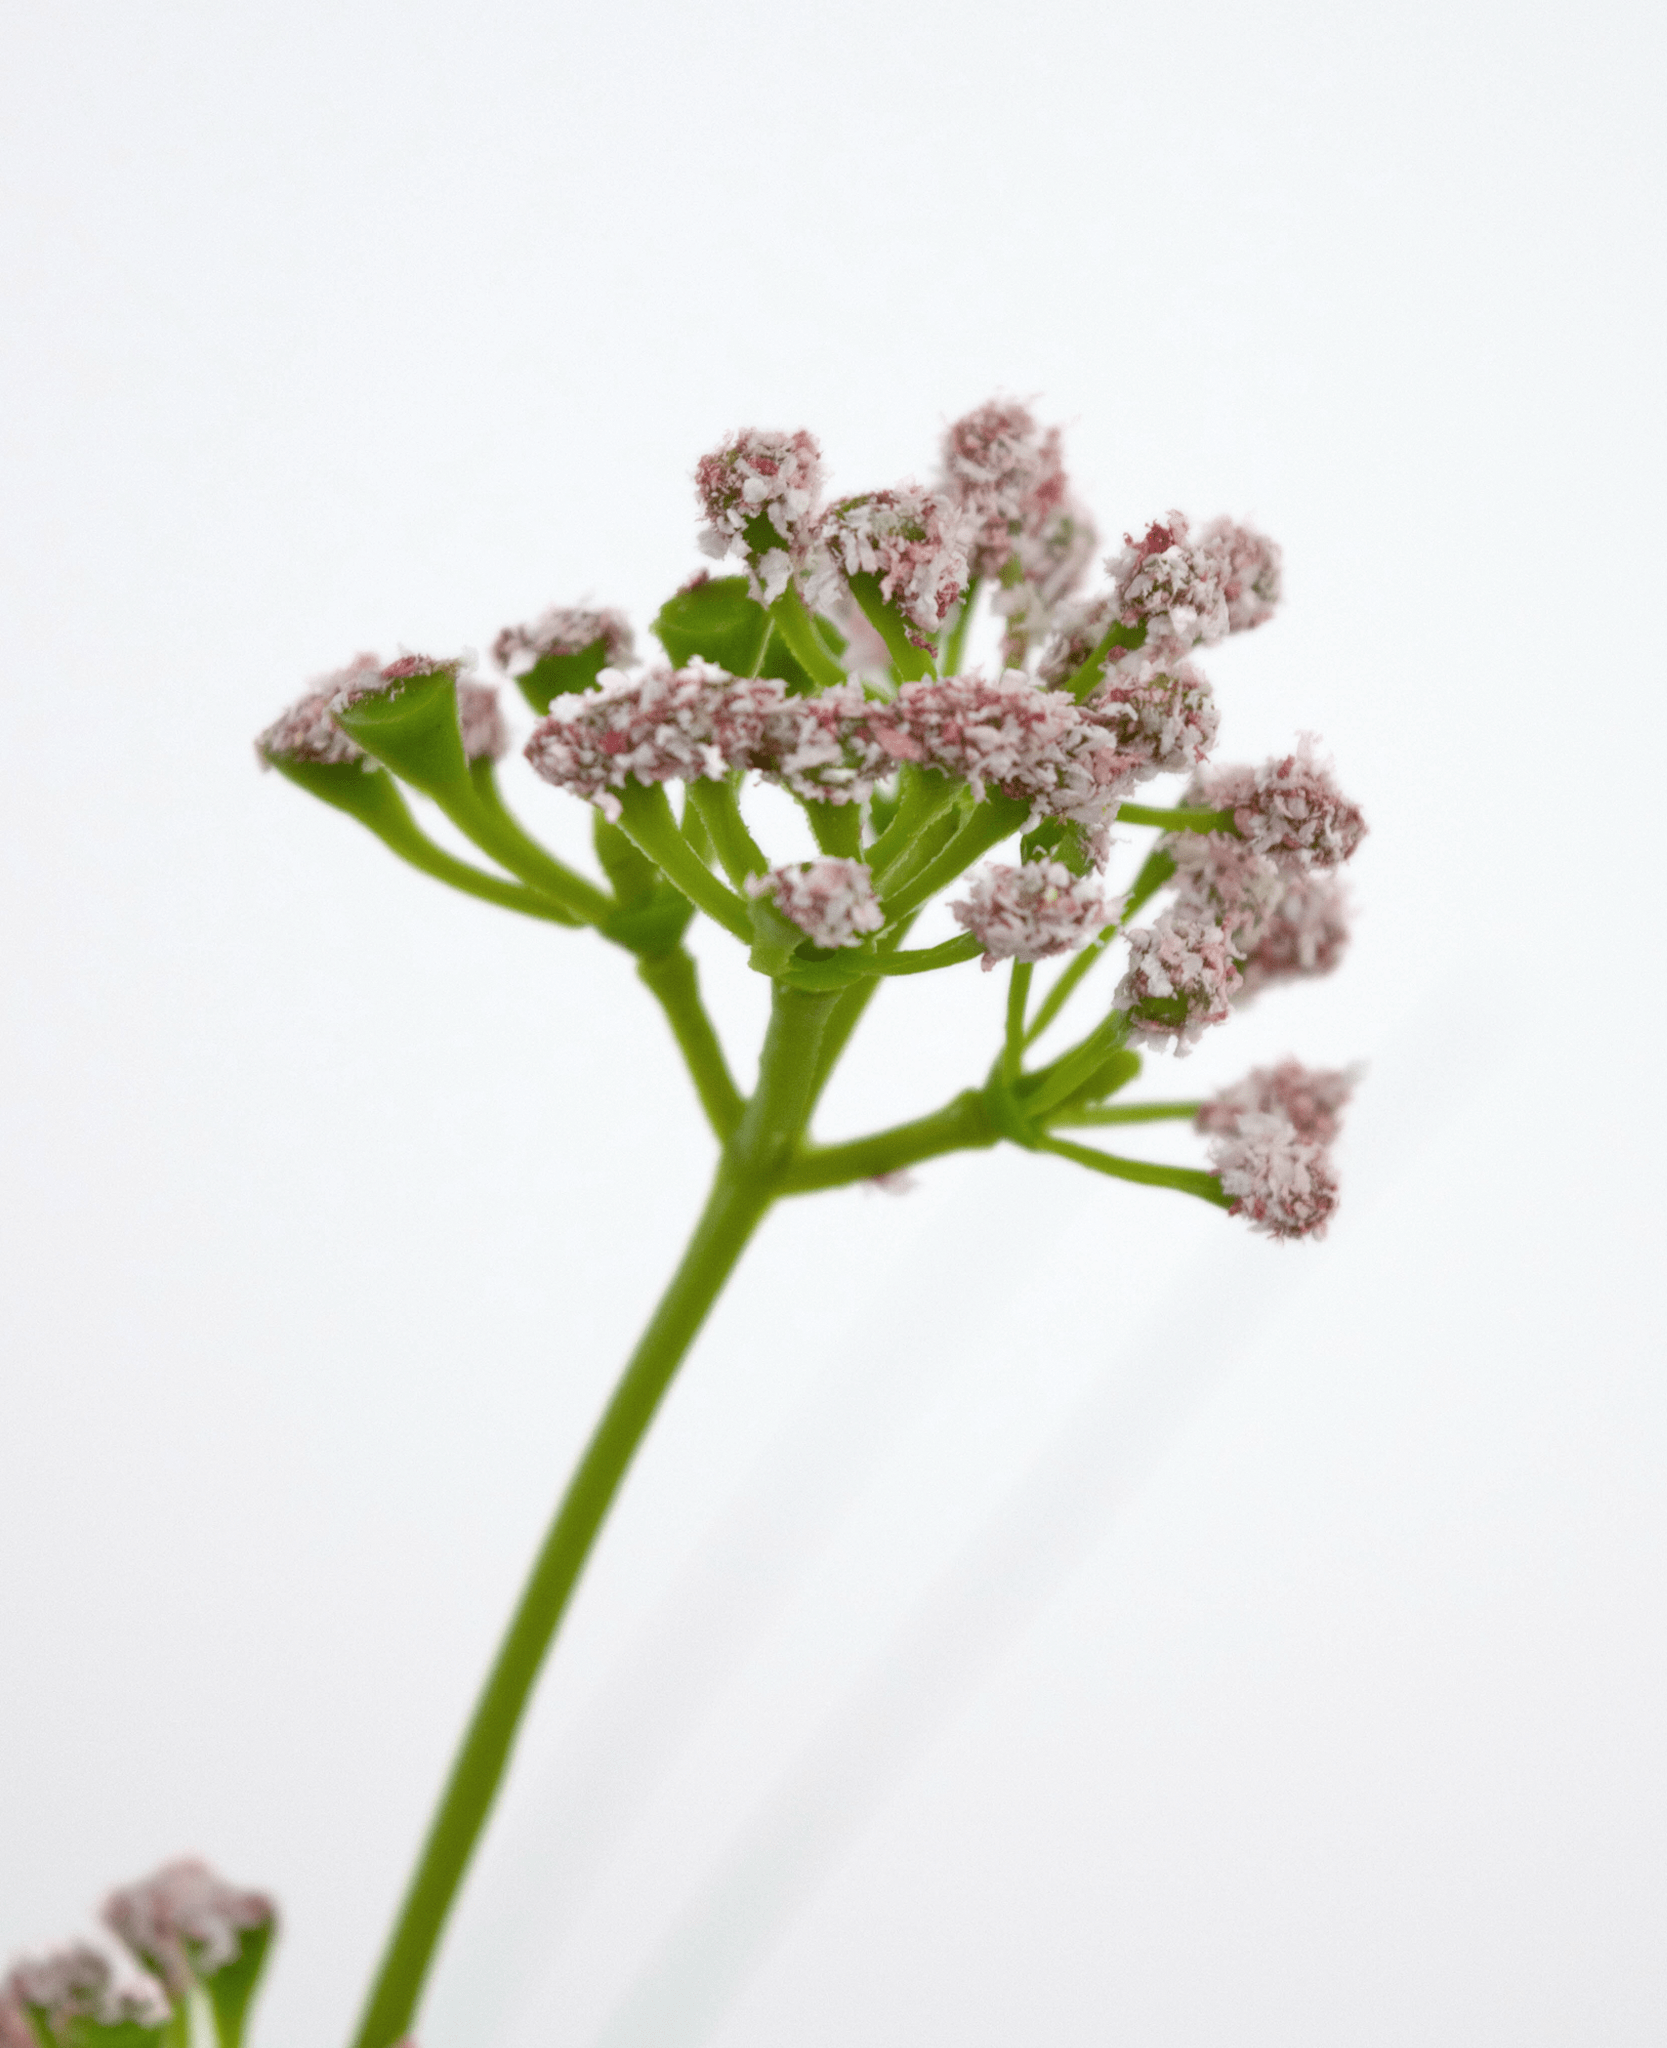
(1042, 1611)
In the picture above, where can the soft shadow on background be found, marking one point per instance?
(1042, 1609)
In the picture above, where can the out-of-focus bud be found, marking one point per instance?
(563, 651)
(74, 1998)
(1311, 1100)
(1031, 912)
(1170, 586)
(1180, 979)
(1305, 933)
(1249, 567)
(1290, 809)
(759, 493)
(191, 1927)
(1283, 1182)
(832, 902)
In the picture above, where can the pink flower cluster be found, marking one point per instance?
(913, 542)
(697, 722)
(1310, 1099)
(757, 476)
(1306, 933)
(1289, 809)
(1270, 1134)
(78, 1983)
(1007, 475)
(185, 1922)
(1281, 1181)
(308, 732)
(1181, 978)
(565, 629)
(1172, 586)
(1031, 912)
(1159, 708)
(831, 901)
(1035, 745)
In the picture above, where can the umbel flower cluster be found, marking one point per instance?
(830, 662)
(181, 1936)
(832, 667)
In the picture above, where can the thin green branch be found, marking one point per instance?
(645, 818)
(719, 808)
(1186, 1180)
(961, 1125)
(798, 630)
(1155, 871)
(489, 822)
(1130, 1113)
(955, 641)
(1183, 818)
(673, 979)
(1018, 994)
(996, 819)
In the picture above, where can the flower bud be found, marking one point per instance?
(760, 492)
(1310, 1100)
(1248, 566)
(1283, 1182)
(913, 543)
(74, 1998)
(1169, 585)
(1289, 809)
(831, 901)
(1305, 933)
(1180, 979)
(1031, 912)
(407, 715)
(185, 1923)
(563, 651)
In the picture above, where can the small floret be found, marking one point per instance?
(831, 901)
(185, 1922)
(1282, 1181)
(759, 493)
(1180, 979)
(1311, 1100)
(1031, 912)
(913, 542)
(1289, 808)
(1306, 933)
(79, 1983)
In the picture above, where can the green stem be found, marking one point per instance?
(646, 820)
(848, 1008)
(719, 810)
(411, 843)
(955, 643)
(1155, 870)
(1132, 1113)
(1018, 994)
(750, 1174)
(837, 828)
(1186, 1179)
(922, 795)
(1073, 1070)
(1180, 819)
(673, 980)
(495, 830)
(798, 629)
(959, 1126)
(996, 819)
(925, 959)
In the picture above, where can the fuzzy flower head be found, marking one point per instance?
(1169, 584)
(1249, 568)
(1220, 879)
(563, 631)
(1158, 708)
(1031, 912)
(699, 722)
(1311, 1100)
(831, 901)
(914, 542)
(185, 1922)
(485, 736)
(1180, 979)
(80, 1983)
(1031, 744)
(759, 493)
(1008, 477)
(1282, 1181)
(1306, 933)
(1289, 809)
(364, 679)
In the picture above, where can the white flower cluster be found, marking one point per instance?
(186, 1922)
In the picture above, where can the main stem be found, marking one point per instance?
(747, 1181)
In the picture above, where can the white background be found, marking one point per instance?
(1043, 1611)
